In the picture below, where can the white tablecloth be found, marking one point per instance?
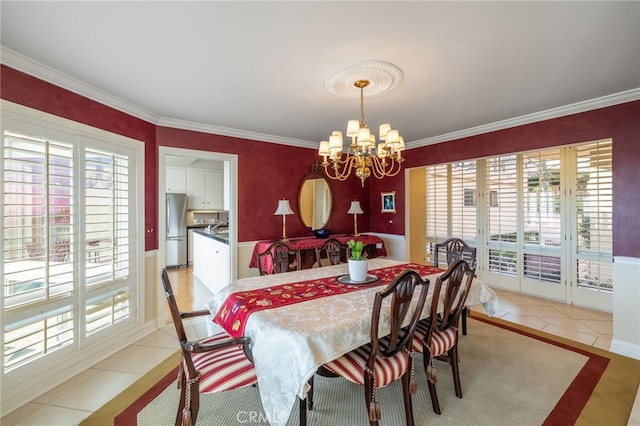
(290, 343)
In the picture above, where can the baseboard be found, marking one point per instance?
(625, 348)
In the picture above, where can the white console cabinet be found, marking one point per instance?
(211, 262)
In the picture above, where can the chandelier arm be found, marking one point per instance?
(378, 170)
(392, 172)
(335, 176)
(335, 166)
(392, 168)
(395, 164)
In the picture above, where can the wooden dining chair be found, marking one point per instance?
(215, 364)
(438, 336)
(454, 249)
(329, 253)
(282, 258)
(386, 359)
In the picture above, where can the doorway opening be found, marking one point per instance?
(222, 209)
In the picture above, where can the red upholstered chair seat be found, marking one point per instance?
(441, 341)
(351, 366)
(225, 369)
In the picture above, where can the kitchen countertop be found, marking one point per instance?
(222, 237)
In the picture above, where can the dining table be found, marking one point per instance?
(300, 320)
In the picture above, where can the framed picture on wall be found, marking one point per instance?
(388, 202)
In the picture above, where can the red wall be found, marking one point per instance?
(619, 122)
(268, 172)
(34, 93)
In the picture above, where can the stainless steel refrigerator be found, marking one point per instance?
(176, 239)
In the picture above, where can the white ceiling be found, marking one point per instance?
(257, 69)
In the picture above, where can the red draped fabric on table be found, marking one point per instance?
(312, 243)
(234, 313)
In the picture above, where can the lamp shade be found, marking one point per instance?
(355, 208)
(393, 137)
(384, 129)
(352, 128)
(324, 148)
(364, 137)
(335, 142)
(283, 208)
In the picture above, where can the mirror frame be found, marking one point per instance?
(309, 176)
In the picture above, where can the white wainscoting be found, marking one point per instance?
(626, 306)
(245, 250)
(396, 245)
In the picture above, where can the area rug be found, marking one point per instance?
(511, 375)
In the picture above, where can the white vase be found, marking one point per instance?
(358, 270)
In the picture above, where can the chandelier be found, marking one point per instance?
(363, 155)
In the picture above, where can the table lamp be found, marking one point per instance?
(283, 209)
(355, 210)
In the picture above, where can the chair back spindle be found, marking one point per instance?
(329, 253)
(282, 258)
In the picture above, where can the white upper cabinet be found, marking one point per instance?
(205, 189)
(176, 180)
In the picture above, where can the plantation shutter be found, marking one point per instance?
(451, 203)
(502, 214)
(107, 232)
(37, 246)
(464, 203)
(68, 217)
(594, 215)
(437, 203)
(542, 215)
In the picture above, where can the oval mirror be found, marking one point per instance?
(314, 201)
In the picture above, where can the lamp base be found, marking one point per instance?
(284, 240)
(356, 234)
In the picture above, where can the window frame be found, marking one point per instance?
(25, 382)
(509, 250)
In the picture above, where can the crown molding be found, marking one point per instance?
(605, 101)
(225, 131)
(50, 75)
(53, 76)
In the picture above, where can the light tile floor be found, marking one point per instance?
(80, 396)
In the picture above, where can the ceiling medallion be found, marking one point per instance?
(383, 77)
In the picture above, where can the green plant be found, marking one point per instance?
(356, 249)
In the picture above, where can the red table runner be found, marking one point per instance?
(234, 312)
